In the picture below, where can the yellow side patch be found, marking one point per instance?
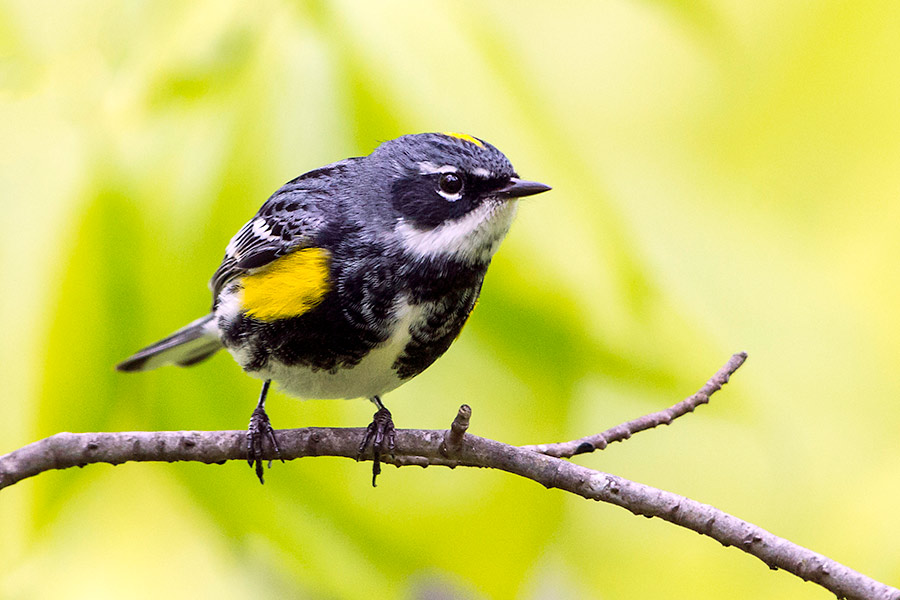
(465, 136)
(288, 286)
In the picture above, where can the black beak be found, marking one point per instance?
(516, 188)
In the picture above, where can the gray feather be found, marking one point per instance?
(187, 346)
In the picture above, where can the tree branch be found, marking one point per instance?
(455, 447)
(625, 430)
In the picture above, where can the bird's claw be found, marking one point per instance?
(381, 434)
(260, 428)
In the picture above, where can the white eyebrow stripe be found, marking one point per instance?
(429, 168)
(482, 173)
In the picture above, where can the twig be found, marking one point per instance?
(454, 436)
(454, 448)
(624, 431)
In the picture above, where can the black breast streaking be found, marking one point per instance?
(358, 314)
(447, 291)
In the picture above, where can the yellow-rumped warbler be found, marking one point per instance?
(355, 277)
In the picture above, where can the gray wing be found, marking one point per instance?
(289, 220)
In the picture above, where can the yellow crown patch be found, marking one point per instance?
(466, 137)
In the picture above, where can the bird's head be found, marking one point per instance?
(453, 194)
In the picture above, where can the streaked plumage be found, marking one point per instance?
(355, 277)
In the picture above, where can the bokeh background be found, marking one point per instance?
(725, 178)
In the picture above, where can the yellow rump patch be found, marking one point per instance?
(466, 137)
(287, 287)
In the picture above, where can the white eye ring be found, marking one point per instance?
(450, 186)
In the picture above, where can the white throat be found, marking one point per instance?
(472, 238)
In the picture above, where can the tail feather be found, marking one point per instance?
(189, 345)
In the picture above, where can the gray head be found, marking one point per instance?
(454, 194)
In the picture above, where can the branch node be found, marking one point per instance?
(584, 448)
(453, 438)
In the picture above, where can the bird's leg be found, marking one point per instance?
(260, 428)
(381, 433)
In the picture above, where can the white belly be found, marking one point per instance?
(373, 375)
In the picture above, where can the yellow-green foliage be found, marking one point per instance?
(726, 177)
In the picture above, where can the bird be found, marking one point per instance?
(353, 278)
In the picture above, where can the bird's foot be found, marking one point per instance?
(380, 433)
(260, 428)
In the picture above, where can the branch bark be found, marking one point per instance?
(456, 447)
(625, 430)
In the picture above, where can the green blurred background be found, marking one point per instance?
(725, 178)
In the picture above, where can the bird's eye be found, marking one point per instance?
(450, 184)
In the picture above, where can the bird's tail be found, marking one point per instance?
(189, 345)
